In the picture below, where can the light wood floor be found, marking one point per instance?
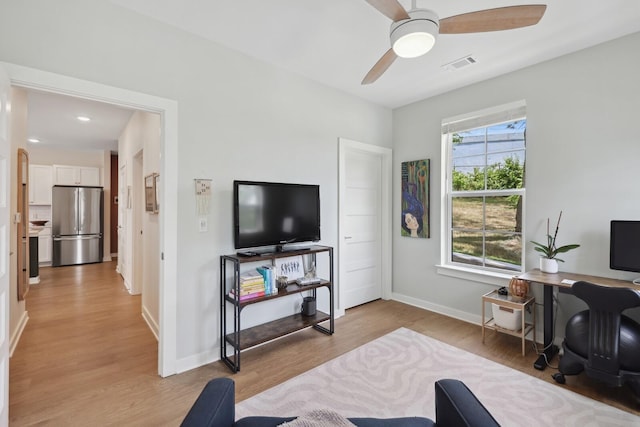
(87, 357)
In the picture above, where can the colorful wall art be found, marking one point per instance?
(415, 199)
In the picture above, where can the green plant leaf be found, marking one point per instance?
(543, 249)
(566, 248)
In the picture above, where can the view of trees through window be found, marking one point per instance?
(487, 183)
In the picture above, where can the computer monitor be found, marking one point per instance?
(624, 252)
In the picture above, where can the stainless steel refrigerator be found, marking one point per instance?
(76, 225)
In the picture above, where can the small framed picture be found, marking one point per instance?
(291, 267)
(150, 200)
(156, 186)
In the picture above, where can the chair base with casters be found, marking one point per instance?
(601, 341)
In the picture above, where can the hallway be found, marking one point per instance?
(85, 349)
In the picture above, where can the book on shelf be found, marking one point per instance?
(250, 275)
(252, 286)
(244, 297)
(251, 290)
(268, 273)
(251, 280)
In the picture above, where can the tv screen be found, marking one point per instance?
(624, 253)
(269, 213)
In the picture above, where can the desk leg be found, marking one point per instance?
(550, 349)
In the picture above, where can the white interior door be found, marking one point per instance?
(364, 223)
(124, 200)
(136, 226)
(5, 167)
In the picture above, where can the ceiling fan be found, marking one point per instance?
(414, 32)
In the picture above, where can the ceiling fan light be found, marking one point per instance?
(413, 45)
(414, 37)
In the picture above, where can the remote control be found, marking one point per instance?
(303, 281)
(247, 253)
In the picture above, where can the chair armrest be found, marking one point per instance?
(215, 406)
(457, 406)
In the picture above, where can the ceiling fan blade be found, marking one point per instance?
(502, 18)
(390, 8)
(380, 67)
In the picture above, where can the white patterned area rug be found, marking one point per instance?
(393, 376)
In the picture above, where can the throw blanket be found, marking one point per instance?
(319, 418)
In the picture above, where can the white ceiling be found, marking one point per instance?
(336, 42)
(52, 119)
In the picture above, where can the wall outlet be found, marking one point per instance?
(203, 224)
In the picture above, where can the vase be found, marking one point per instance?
(548, 265)
(518, 287)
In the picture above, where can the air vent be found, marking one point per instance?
(460, 63)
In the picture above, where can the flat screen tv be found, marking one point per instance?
(624, 253)
(270, 213)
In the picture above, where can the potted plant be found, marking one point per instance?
(549, 260)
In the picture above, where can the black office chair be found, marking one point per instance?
(602, 341)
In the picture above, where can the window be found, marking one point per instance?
(484, 186)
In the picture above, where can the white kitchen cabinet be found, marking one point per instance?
(76, 175)
(45, 246)
(40, 183)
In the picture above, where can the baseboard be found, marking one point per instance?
(440, 309)
(457, 314)
(126, 284)
(196, 361)
(153, 325)
(17, 333)
(106, 258)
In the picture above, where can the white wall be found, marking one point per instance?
(142, 133)
(582, 157)
(238, 119)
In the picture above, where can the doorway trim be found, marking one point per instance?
(31, 78)
(137, 254)
(386, 157)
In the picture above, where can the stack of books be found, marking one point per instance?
(251, 286)
(269, 274)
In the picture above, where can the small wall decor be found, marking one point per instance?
(156, 185)
(415, 199)
(203, 196)
(150, 194)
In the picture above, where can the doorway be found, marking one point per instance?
(364, 239)
(50, 82)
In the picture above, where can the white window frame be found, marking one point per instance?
(482, 118)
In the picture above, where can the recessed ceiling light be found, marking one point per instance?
(34, 140)
(83, 118)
